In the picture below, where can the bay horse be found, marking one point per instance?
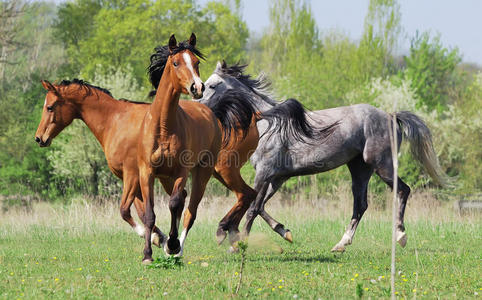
(237, 148)
(116, 125)
(356, 135)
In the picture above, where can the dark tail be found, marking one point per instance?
(234, 113)
(421, 147)
(291, 121)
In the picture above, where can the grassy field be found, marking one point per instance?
(84, 251)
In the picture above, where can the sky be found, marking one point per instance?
(459, 22)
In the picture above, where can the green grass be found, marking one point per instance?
(441, 260)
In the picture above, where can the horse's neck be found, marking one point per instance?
(96, 110)
(166, 104)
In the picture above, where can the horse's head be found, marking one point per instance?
(227, 80)
(217, 84)
(56, 115)
(185, 67)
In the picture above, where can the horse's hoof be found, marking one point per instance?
(288, 236)
(402, 238)
(220, 236)
(172, 247)
(233, 250)
(156, 240)
(338, 248)
(147, 261)
(234, 237)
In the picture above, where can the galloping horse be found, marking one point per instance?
(116, 124)
(356, 135)
(175, 141)
(238, 148)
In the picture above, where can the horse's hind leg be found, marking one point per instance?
(232, 179)
(385, 171)
(360, 176)
(130, 190)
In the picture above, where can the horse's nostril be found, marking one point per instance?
(202, 87)
(193, 89)
(37, 139)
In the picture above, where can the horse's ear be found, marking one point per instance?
(48, 86)
(224, 65)
(218, 67)
(192, 40)
(172, 43)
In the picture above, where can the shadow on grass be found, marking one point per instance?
(295, 257)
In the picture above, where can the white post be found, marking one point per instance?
(394, 146)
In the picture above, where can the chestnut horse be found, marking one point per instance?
(116, 125)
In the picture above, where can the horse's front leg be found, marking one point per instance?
(200, 177)
(176, 206)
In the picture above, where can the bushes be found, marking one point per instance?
(109, 43)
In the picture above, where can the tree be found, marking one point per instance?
(432, 69)
(121, 34)
(383, 26)
(10, 14)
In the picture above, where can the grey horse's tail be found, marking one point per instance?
(421, 147)
(291, 121)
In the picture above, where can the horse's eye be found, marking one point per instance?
(175, 64)
(50, 108)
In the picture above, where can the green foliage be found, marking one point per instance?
(122, 34)
(359, 290)
(166, 262)
(109, 42)
(383, 24)
(431, 68)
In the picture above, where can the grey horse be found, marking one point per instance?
(356, 135)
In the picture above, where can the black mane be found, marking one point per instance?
(159, 60)
(85, 84)
(261, 85)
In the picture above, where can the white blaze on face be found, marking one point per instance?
(45, 102)
(197, 80)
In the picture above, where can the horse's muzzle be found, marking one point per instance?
(41, 143)
(197, 93)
